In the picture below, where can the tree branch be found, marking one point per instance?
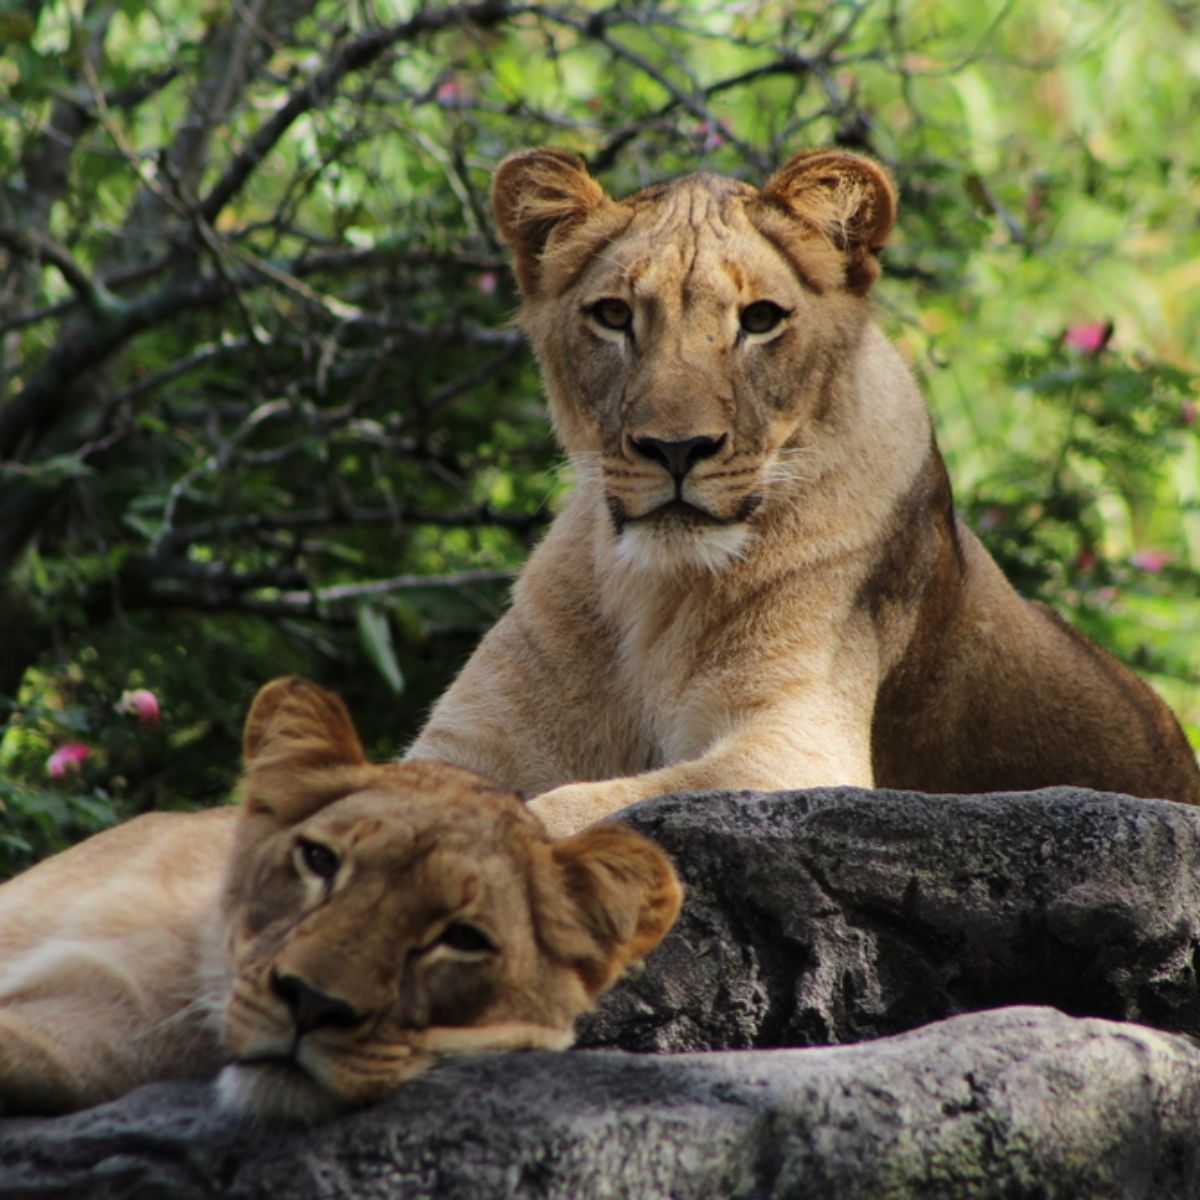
(354, 55)
(47, 394)
(327, 518)
(38, 247)
(153, 587)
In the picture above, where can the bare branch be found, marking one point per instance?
(64, 307)
(354, 55)
(156, 583)
(327, 518)
(47, 394)
(36, 246)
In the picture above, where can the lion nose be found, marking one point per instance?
(679, 457)
(312, 1008)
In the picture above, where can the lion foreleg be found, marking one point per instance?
(48, 1067)
(791, 749)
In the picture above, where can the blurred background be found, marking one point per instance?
(262, 408)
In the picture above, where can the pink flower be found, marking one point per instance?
(1150, 560)
(1088, 337)
(992, 517)
(1187, 410)
(450, 93)
(67, 758)
(486, 282)
(141, 703)
(710, 135)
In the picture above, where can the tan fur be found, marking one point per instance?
(812, 613)
(178, 943)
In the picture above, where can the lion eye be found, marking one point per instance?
(466, 939)
(762, 316)
(320, 860)
(612, 314)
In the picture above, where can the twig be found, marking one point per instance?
(97, 298)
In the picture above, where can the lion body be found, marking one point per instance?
(345, 927)
(759, 580)
(112, 963)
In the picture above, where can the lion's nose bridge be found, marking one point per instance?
(680, 399)
(322, 977)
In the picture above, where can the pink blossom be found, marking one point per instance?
(486, 282)
(141, 703)
(1187, 410)
(67, 758)
(710, 135)
(450, 93)
(1150, 560)
(1088, 337)
(992, 517)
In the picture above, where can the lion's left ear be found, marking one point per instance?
(849, 199)
(609, 899)
(298, 738)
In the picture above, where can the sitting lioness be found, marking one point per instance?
(323, 943)
(759, 580)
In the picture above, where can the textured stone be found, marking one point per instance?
(1019, 1102)
(838, 915)
(821, 916)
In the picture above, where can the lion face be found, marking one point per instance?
(381, 916)
(691, 336)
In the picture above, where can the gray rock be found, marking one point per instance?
(1021, 1102)
(838, 915)
(821, 916)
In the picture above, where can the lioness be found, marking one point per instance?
(330, 939)
(759, 580)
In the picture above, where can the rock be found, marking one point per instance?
(1020, 1102)
(838, 915)
(823, 916)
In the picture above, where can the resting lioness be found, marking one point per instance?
(330, 939)
(759, 580)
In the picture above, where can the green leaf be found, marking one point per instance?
(375, 635)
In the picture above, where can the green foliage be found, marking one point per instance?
(263, 411)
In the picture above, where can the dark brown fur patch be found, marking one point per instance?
(909, 550)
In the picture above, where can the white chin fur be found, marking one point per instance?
(268, 1093)
(669, 547)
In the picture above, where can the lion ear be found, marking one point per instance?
(849, 199)
(611, 897)
(296, 736)
(534, 193)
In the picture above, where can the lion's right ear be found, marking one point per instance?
(535, 193)
(298, 739)
(849, 199)
(608, 899)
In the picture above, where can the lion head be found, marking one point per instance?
(380, 916)
(694, 337)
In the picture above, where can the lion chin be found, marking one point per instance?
(276, 1090)
(679, 537)
(302, 1085)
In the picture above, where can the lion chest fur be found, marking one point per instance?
(759, 579)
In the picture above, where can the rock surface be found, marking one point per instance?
(839, 915)
(811, 917)
(1020, 1102)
